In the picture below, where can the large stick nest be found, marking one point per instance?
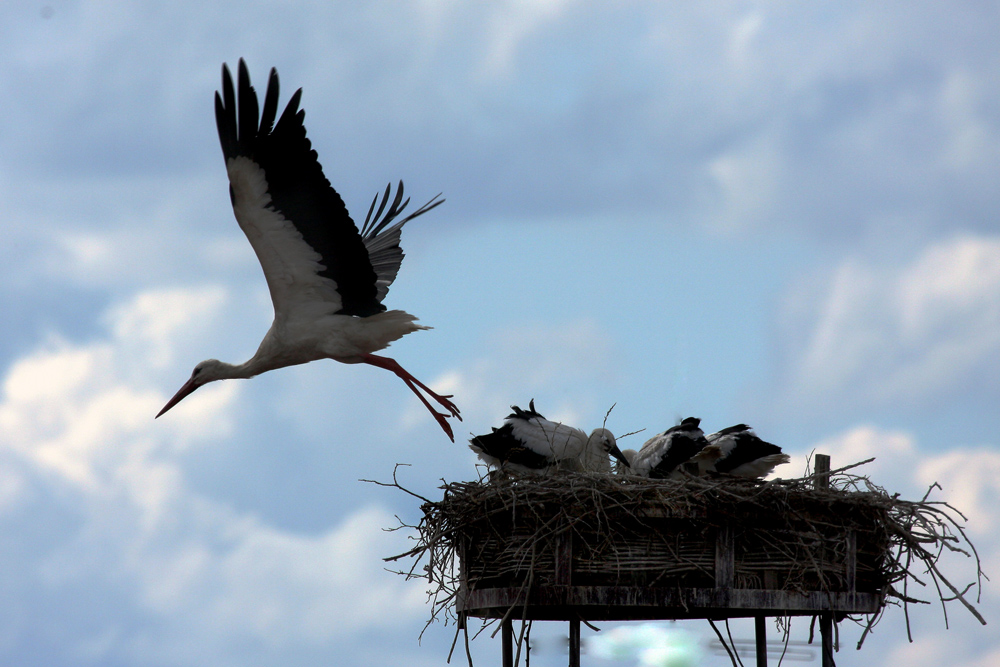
(630, 531)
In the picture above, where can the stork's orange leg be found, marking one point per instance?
(413, 383)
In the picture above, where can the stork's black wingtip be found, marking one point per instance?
(244, 73)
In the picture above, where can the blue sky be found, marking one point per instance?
(749, 212)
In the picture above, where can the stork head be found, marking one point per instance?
(203, 373)
(603, 441)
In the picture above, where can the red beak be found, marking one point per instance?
(188, 387)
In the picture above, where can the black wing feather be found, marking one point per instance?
(526, 415)
(270, 104)
(685, 440)
(298, 188)
(749, 447)
(503, 446)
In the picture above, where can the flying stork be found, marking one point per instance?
(743, 453)
(327, 280)
(528, 442)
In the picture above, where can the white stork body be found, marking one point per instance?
(528, 442)
(662, 455)
(327, 279)
(743, 454)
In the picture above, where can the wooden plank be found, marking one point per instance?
(851, 560)
(725, 557)
(463, 585)
(645, 603)
(563, 554)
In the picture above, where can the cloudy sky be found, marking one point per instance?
(784, 214)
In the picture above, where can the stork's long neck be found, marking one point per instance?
(255, 365)
(266, 358)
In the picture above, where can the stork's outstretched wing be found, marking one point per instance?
(311, 251)
(382, 243)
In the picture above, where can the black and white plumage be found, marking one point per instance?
(327, 279)
(743, 454)
(528, 442)
(662, 455)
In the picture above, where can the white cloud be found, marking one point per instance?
(748, 179)
(510, 24)
(889, 448)
(906, 334)
(154, 320)
(972, 144)
(77, 421)
(970, 481)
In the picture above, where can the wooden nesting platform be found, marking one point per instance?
(581, 546)
(735, 583)
(602, 549)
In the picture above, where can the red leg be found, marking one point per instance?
(412, 382)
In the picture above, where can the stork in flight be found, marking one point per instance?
(327, 280)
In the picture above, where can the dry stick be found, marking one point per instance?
(722, 641)
(396, 483)
(788, 633)
(524, 614)
(468, 649)
(520, 639)
(735, 650)
(458, 629)
(527, 639)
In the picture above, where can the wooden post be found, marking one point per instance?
(564, 577)
(563, 555)
(822, 479)
(574, 643)
(826, 635)
(463, 586)
(725, 557)
(851, 561)
(760, 632)
(507, 639)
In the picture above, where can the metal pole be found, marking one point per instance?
(760, 632)
(507, 635)
(574, 643)
(826, 633)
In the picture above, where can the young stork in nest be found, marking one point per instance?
(528, 442)
(743, 454)
(662, 455)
